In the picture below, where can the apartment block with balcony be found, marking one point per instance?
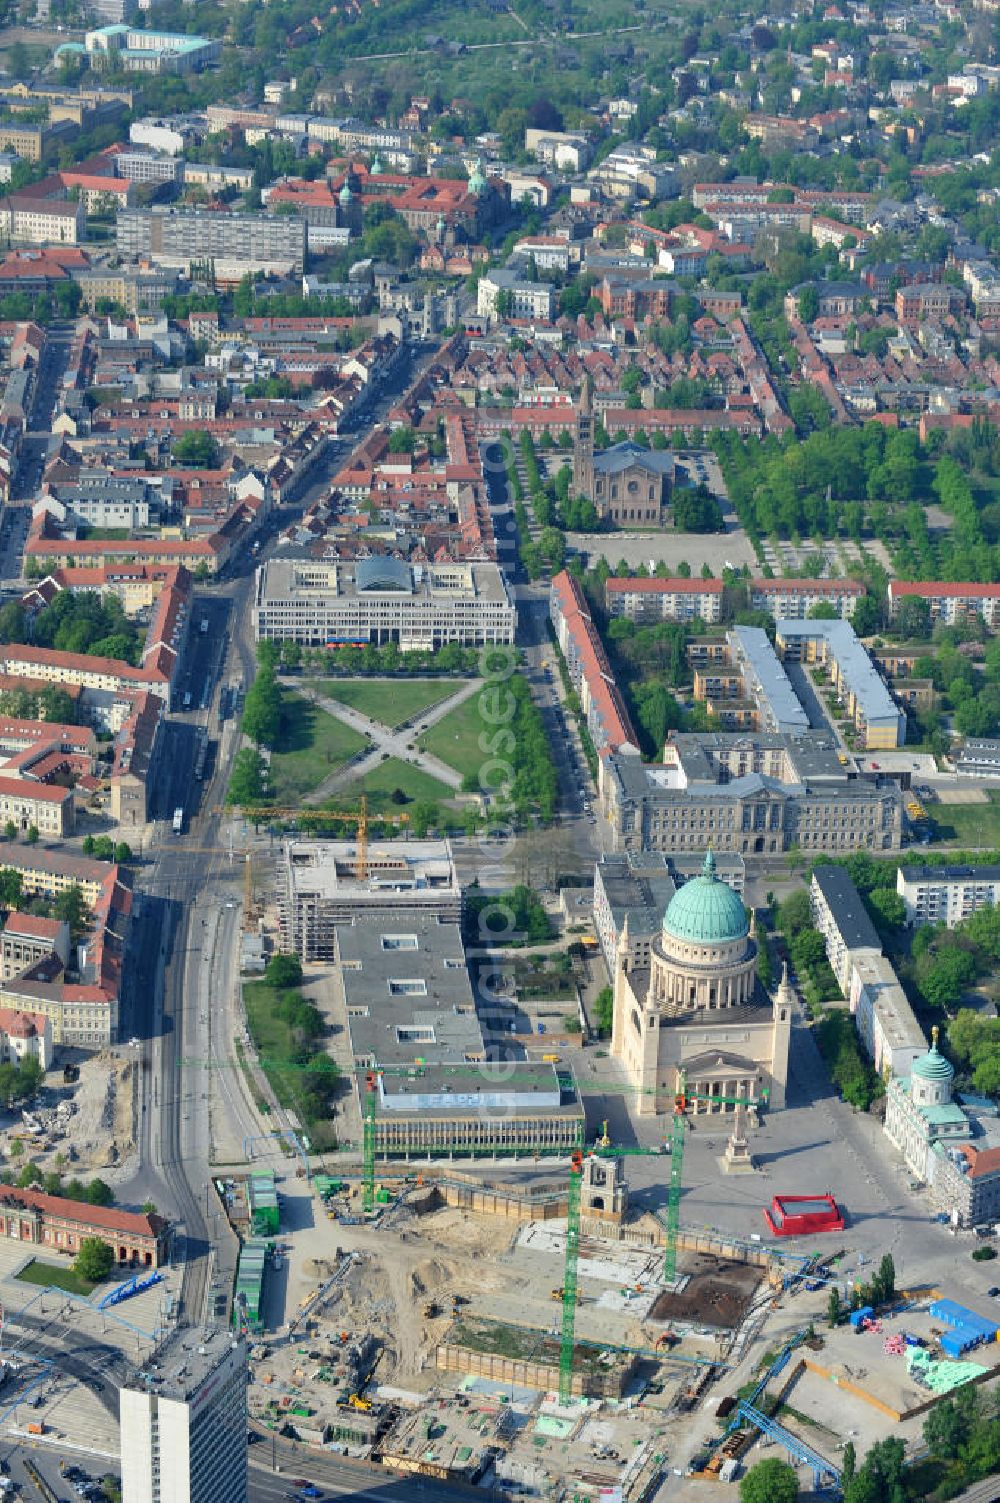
(946, 894)
(793, 599)
(649, 600)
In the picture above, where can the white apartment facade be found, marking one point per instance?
(840, 917)
(793, 599)
(883, 1017)
(949, 602)
(650, 600)
(946, 894)
(890, 1033)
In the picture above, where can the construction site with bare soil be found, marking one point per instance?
(432, 1341)
(85, 1122)
(431, 1304)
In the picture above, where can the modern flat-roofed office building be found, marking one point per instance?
(381, 600)
(411, 1013)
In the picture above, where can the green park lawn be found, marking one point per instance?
(389, 775)
(312, 745)
(969, 826)
(55, 1276)
(455, 739)
(391, 701)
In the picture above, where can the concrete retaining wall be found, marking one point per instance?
(541, 1375)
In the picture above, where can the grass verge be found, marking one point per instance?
(55, 1276)
(455, 738)
(394, 776)
(390, 701)
(973, 825)
(286, 1031)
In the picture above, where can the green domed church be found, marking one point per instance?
(698, 1004)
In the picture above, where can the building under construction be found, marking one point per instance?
(413, 1025)
(324, 883)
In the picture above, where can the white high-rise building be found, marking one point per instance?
(184, 1429)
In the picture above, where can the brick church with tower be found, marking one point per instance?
(627, 483)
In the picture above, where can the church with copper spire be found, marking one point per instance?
(698, 1007)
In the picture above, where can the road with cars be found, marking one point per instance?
(327, 1477)
(15, 516)
(70, 1474)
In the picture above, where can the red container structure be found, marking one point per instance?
(803, 1215)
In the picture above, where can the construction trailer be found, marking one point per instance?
(967, 1330)
(262, 1202)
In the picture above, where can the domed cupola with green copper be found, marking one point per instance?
(706, 911)
(931, 1076)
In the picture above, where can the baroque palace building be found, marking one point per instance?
(698, 1005)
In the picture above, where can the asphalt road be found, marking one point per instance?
(338, 1478)
(574, 841)
(46, 1460)
(16, 515)
(189, 875)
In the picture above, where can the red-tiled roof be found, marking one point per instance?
(636, 586)
(808, 586)
(981, 1161)
(102, 1218)
(21, 1025)
(932, 590)
(81, 663)
(42, 793)
(32, 927)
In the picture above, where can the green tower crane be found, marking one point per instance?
(677, 1130)
(568, 1345)
(677, 1133)
(369, 1101)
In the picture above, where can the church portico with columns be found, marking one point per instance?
(697, 1011)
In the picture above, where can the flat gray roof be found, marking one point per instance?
(856, 667)
(179, 1367)
(753, 647)
(950, 873)
(637, 885)
(491, 1086)
(327, 868)
(407, 990)
(293, 574)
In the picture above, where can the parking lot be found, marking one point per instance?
(79, 1477)
(719, 550)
